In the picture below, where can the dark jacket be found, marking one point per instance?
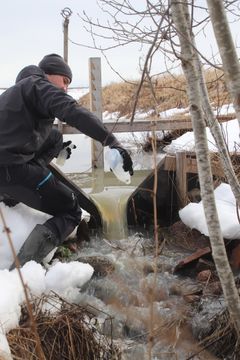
(27, 113)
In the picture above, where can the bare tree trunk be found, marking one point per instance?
(216, 132)
(180, 16)
(227, 51)
(215, 128)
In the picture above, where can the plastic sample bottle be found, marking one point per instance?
(115, 162)
(62, 156)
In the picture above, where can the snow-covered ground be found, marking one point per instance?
(193, 214)
(230, 130)
(77, 93)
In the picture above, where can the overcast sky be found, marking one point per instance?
(31, 29)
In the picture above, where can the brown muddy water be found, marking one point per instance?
(138, 300)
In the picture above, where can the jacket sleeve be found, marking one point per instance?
(54, 102)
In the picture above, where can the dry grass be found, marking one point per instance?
(217, 166)
(169, 92)
(66, 334)
(220, 337)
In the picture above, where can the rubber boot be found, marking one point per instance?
(83, 232)
(37, 246)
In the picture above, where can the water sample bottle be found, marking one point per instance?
(62, 156)
(115, 162)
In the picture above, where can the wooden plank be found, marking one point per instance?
(193, 258)
(147, 125)
(181, 178)
(137, 126)
(84, 199)
(150, 125)
(191, 165)
(170, 163)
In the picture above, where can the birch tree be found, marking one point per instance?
(232, 74)
(218, 136)
(227, 51)
(211, 118)
(180, 15)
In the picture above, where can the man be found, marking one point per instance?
(28, 144)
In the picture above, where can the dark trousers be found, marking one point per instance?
(33, 184)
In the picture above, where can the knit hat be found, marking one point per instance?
(54, 64)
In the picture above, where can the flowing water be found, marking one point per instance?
(137, 299)
(112, 205)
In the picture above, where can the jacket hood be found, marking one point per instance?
(29, 71)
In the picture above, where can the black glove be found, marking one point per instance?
(127, 161)
(68, 146)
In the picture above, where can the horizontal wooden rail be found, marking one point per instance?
(147, 125)
(191, 165)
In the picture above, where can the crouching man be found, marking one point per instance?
(28, 143)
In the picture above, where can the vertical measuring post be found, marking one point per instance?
(65, 39)
(66, 13)
(96, 107)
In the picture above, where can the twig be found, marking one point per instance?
(39, 350)
(116, 247)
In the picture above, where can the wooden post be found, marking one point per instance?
(96, 107)
(66, 13)
(65, 39)
(95, 90)
(181, 178)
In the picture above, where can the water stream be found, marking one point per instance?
(112, 204)
(137, 299)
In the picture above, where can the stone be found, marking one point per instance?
(235, 258)
(102, 265)
(194, 195)
(190, 239)
(216, 288)
(191, 298)
(204, 275)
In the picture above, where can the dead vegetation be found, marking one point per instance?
(217, 166)
(168, 92)
(220, 337)
(68, 333)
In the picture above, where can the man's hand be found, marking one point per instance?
(127, 161)
(68, 146)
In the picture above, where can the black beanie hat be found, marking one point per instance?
(54, 64)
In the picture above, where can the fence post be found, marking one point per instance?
(181, 178)
(96, 107)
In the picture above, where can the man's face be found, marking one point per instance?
(61, 81)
